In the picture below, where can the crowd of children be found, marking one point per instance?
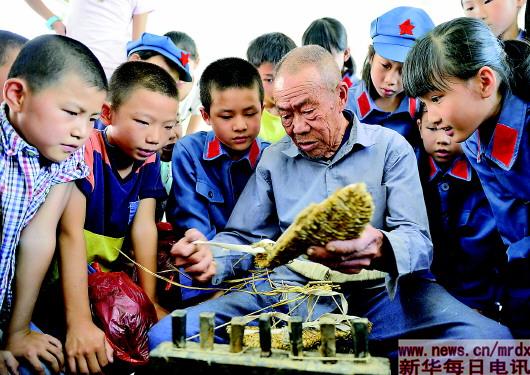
(89, 166)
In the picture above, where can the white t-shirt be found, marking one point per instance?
(191, 106)
(104, 26)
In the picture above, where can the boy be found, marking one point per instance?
(469, 255)
(53, 93)
(115, 203)
(264, 53)
(210, 169)
(162, 51)
(10, 46)
(500, 15)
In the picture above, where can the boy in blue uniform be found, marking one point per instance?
(478, 93)
(264, 53)
(378, 98)
(53, 94)
(210, 169)
(469, 256)
(113, 208)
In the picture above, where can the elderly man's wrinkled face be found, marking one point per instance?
(311, 112)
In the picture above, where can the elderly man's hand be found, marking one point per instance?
(197, 260)
(350, 256)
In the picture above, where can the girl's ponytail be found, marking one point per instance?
(518, 57)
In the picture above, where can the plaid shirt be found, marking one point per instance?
(24, 183)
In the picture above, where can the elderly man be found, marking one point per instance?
(328, 148)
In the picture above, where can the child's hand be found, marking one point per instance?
(8, 363)
(197, 260)
(87, 349)
(36, 347)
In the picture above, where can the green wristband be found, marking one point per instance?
(50, 21)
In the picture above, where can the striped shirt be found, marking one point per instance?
(25, 180)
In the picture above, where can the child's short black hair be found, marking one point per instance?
(269, 48)
(140, 74)
(8, 41)
(184, 42)
(230, 72)
(45, 60)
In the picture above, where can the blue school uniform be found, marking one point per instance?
(207, 182)
(501, 158)
(206, 185)
(469, 254)
(401, 120)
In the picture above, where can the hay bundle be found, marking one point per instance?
(341, 216)
(280, 337)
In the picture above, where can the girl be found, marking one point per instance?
(379, 98)
(331, 34)
(477, 91)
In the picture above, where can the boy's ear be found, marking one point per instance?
(205, 116)
(134, 57)
(487, 81)
(15, 92)
(106, 114)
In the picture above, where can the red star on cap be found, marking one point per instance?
(184, 58)
(406, 28)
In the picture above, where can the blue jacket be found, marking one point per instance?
(401, 120)
(468, 251)
(501, 158)
(207, 182)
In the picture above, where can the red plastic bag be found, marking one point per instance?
(125, 314)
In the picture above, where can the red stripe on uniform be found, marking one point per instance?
(348, 81)
(214, 148)
(412, 107)
(460, 169)
(253, 154)
(504, 141)
(364, 104)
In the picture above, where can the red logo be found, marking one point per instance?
(406, 28)
(184, 57)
